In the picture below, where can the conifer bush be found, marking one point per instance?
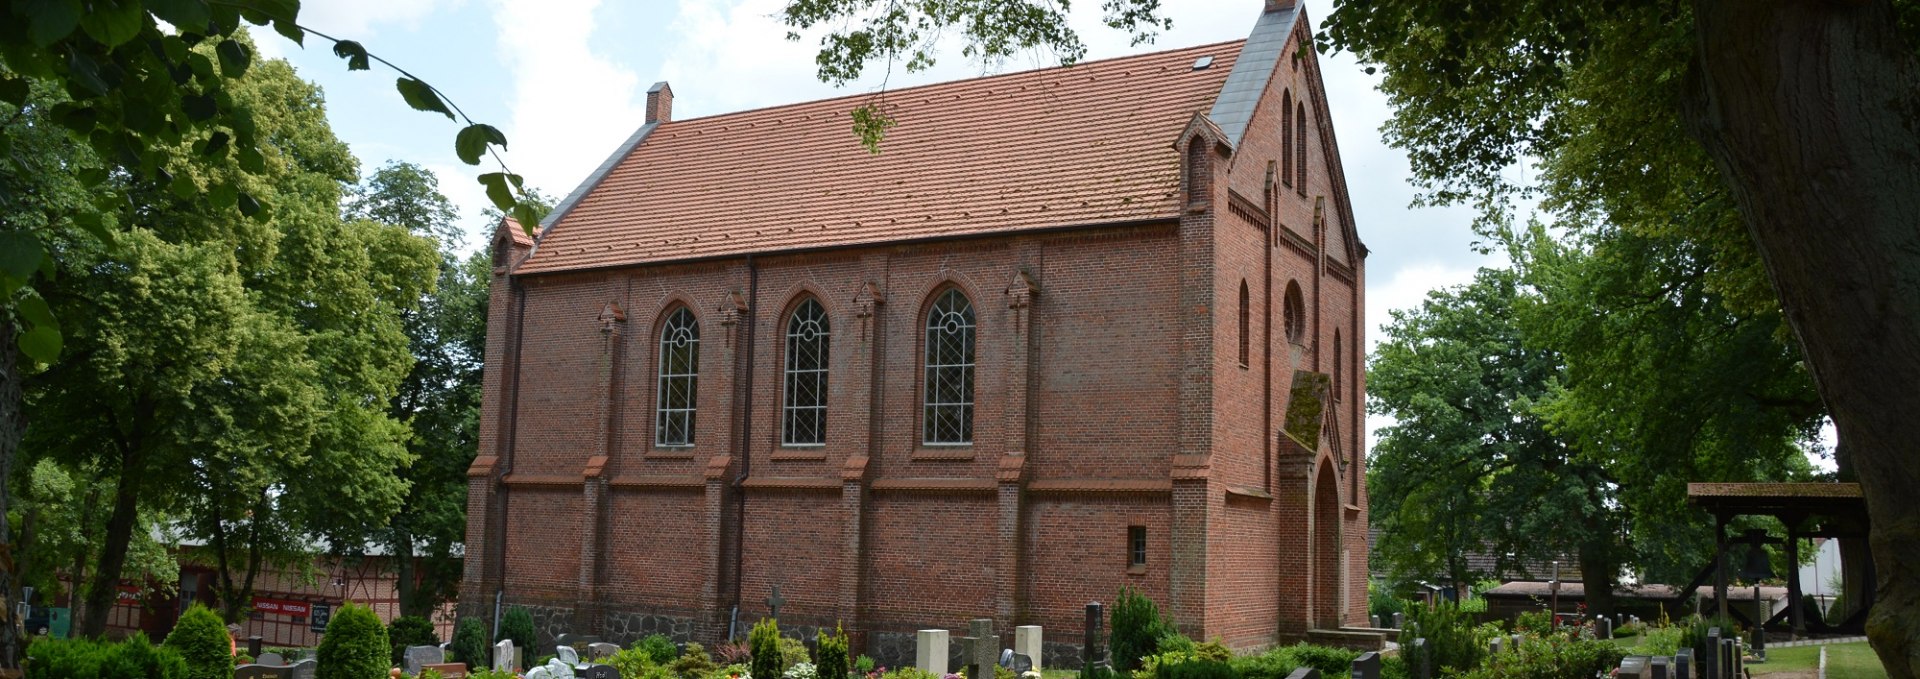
(89, 659)
(1137, 629)
(832, 655)
(693, 664)
(470, 644)
(354, 646)
(200, 637)
(658, 648)
(517, 624)
(410, 630)
(767, 662)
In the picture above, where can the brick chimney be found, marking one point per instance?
(659, 103)
(1277, 5)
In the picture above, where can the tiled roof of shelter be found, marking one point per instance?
(1773, 490)
(1056, 147)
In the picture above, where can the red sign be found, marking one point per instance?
(129, 595)
(281, 606)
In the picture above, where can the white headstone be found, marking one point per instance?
(503, 655)
(1026, 641)
(930, 652)
(415, 656)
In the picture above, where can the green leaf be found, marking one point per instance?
(13, 90)
(50, 20)
(497, 191)
(250, 159)
(472, 142)
(202, 67)
(223, 196)
(41, 343)
(291, 30)
(190, 16)
(234, 58)
(216, 147)
(353, 52)
(91, 222)
(183, 187)
(85, 73)
(528, 217)
(421, 96)
(199, 107)
(113, 22)
(249, 206)
(34, 310)
(270, 10)
(20, 254)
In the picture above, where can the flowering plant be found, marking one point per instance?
(802, 670)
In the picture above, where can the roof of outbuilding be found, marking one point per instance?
(1056, 147)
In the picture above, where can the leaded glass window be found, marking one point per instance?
(805, 421)
(679, 379)
(948, 408)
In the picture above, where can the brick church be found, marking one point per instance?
(1071, 329)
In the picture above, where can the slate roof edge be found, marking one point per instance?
(592, 182)
(1252, 70)
(1169, 218)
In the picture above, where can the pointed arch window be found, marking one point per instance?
(1246, 322)
(679, 379)
(1339, 364)
(804, 414)
(1300, 148)
(1286, 138)
(948, 397)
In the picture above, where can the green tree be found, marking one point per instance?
(1469, 466)
(440, 397)
(1783, 128)
(242, 365)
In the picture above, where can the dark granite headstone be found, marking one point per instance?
(1367, 666)
(1305, 673)
(1659, 667)
(1683, 664)
(1091, 655)
(1399, 621)
(600, 672)
(1604, 629)
(1634, 667)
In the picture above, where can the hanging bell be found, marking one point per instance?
(1758, 567)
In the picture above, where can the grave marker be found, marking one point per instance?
(416, 656)
(773, 603)
(1305, 673)
(1729, 656)
(1710, 656)
(1605, 629)
(986, 648)
(1420, 663)
(1092, 656)
(1367, 666)
(503, 656)
(1683, 664)
(1399, 621)
(1659, 667)
(1493, 646)
(1634, 667)
(1026, 642)
(930, 651)
(1373, 621)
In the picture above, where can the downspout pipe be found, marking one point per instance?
(499, 541)
(746, 435)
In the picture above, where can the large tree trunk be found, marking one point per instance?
(1810, 109)
(1597, 575)
(105, 589)
(12, 424)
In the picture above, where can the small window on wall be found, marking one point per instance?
(1137, 546)
(1246, 323)
(1339, 364)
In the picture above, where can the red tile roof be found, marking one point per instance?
(1087, 144)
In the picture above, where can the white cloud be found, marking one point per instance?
(1405, 289)
(354, 19)
(569, 106)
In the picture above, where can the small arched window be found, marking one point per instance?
(948, 395)
(1300, 148)
(1294, 312)
(1246, 322)
(1286, 138)
(679, 379)
(804, 421)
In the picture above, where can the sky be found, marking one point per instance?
(566, 81)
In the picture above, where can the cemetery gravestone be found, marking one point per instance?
(1493, 647)
(601, 649)
(1513, 643)
(1710, 656)
(1091, 655)
(304, 669)
(253, 646)
(930, 651)
(503, 656)
(1305, 673)
(1367, 666)
(600, 672)
(986, 647)
(1420, 663)
(1658, 667)
(1373, 621)
(1759, 643)
(272, 659)
(1634, 667)
(1026, 642)
(1728, 651)
(1399, 621)
(1605, 629)
(565, 655)
(416, 656)
(1683, 664)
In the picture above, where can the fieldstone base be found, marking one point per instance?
(624, 627)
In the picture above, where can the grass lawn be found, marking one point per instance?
(1843, 660)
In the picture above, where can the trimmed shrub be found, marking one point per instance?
(1280, 662)
(200, 637)
(658, 647)
(1453, 645)
(354, 646)
(630, 662)
(1199, 669)
(768, 660)
(88, 659)
(1137, 628)
(833, 655)
(470, 644)
(517, 624)
(793, 652)
(693, 664)
(1552, 657)
(410, 630)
